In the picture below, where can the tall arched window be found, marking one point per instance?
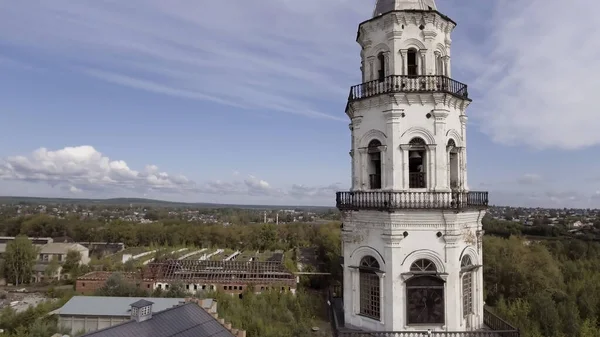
(452, 163)
(466, 265)
(370, 304)
(417, 163)
(381, 67)
(412, 66)
(374, 164)
(425, 294)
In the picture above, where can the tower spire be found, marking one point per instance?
(384, 6)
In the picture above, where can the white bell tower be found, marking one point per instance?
(411, 227)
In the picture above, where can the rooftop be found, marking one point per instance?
(384, 6)
(187, 320)
(112, 306)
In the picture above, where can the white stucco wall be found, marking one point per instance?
(380, 234)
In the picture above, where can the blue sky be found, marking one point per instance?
(230, 101)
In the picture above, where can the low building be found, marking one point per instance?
(232, 277)
(91, 313)
(187, 319)
(59, 251)
(87, 284)
(56, 252)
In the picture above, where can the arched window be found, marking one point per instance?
(467, 284)
(452, 163)
(425, 294)
(369, 288)
(374, 165)
(417, 163)
(412, 65)
(381, 67)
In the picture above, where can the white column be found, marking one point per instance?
(431, 170)
(383, 155)
(363, 182)
(394, 155)
(463, 153)
(447, 66)
(403, 70)
(371, 62)
(386, 63)
(405, 148)
(419, 62)
(423, 64)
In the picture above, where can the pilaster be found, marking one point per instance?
(441, 169)
(463, 152)
(394, 156)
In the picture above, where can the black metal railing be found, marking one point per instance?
(409, 84)
(386, 200)
(416, 180)
(494, 322)
(477, 333)
(375, 181)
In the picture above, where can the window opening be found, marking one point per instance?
(416, 164)
(411, 62)
(425, 294)
(369, 288)
(374, 165)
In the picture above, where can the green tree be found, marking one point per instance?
(19, 259)
(51, 269)
(72, 261)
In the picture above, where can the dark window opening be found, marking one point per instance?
(411, 62)
(425, 294)
(374, 165)
(417, 164)
(370, 292)
(381, 67)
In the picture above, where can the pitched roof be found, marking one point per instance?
(187, 320)
(141, 303)
(112, 306)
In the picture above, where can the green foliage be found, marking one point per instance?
(32, 322)
(546, 288)
(271, 314)
(19, 260)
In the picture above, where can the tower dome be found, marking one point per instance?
(384, 6)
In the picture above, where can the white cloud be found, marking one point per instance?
(539, 73)
(83, 169)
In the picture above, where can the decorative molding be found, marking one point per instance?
(394, 34)
(394, 115)
(440, 114)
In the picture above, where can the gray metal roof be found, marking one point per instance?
(141, 303)
(384, 6)
(112, 306)
(188, 320)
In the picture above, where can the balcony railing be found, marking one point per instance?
(409, 84)
(386, 200)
